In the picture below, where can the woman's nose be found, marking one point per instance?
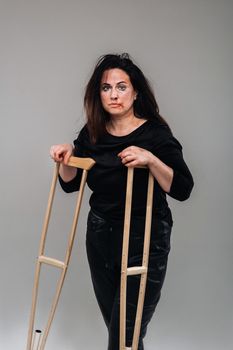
(114, 94)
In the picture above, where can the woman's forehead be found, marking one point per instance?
(114, 75)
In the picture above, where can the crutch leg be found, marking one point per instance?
(85, 164)
(124, 259)
(64, 266)
(136, 270)
(145, 260)
(38, 264)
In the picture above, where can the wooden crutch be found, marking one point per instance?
(85, 164)
(135, 270)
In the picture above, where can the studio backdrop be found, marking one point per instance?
(48, 51)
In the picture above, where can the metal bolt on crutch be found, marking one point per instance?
(135, 270)
(37, 339)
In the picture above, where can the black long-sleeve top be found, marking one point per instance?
(107, 179)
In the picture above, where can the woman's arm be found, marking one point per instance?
(168, 168)
(135, 156)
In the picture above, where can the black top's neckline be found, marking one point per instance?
(129, 134)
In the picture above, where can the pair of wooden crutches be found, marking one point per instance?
(36, 338)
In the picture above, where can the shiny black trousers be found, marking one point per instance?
(104, 246)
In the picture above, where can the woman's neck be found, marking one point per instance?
(121, 126)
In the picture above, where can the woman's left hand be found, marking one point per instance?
(134, 156)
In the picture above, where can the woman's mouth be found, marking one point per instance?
(114, 105)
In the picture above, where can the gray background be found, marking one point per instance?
(48, 50)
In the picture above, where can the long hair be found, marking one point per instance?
(145, 106)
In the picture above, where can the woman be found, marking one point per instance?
(124, 129)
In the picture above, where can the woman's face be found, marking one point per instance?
(117, 93)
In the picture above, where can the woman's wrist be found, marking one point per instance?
(152, 161)
(162, 172)
(67, 173)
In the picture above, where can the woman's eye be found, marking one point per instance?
(105, 88)
(121, 87)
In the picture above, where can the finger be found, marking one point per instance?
(127, 159)
(127, 154)
(61, 152)
(131, 164)
(59, 155)
(67, 157)
(121, 154)
(125, 151)
(52, 149)
(53, 153)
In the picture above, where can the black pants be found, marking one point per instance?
(104, 246)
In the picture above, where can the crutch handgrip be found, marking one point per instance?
(83, 163)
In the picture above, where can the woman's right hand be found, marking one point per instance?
(61, 153)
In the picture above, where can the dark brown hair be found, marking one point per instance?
(145, 106)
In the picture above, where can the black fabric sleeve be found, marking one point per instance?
(74, 184)
(170, 152)
(182, 183)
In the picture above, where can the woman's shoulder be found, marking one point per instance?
(82, 134)
(161, 134)
(158, 128)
